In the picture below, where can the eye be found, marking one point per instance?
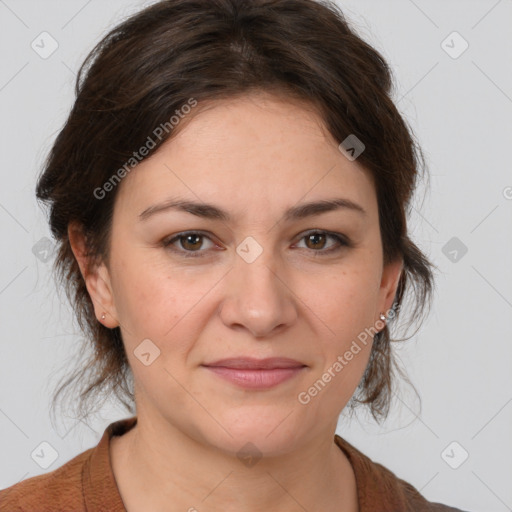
(190, 242)
(316, 240)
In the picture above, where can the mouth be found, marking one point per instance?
(251, 363)
(251, 373)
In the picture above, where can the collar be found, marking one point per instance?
(375, 484)
(98, 482)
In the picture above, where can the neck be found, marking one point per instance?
(158, 467)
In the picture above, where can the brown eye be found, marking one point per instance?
(317, 240)
(191, 242)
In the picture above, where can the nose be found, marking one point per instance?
(257, 297)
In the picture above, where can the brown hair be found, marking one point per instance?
(149, 66)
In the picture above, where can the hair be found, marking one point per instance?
(148, 67)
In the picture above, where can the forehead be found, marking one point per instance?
(259, 150)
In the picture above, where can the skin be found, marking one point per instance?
(254, 156)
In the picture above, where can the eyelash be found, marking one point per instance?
(341, 239)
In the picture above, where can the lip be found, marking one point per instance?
(251, 373)
(252, 363)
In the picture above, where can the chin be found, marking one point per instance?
(270, 434)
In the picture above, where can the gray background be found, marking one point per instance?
(460, 361)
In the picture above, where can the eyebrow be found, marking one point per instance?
(210, 211)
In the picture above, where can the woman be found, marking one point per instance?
(229, 194)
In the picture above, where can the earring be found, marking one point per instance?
(103, 316)
(383, 317)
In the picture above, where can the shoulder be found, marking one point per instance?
(378, 487)
(416, 502)
(60, 489)
(86, 482)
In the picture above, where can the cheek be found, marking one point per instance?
(162, 303)
(153, 308)
(148, 302)
(345, 301)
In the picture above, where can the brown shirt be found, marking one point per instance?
(87, 483)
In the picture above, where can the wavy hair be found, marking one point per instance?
(151, 64)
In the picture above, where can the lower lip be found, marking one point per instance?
(256, 379)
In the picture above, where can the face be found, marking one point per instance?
(267, 280)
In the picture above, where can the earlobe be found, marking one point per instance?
(100, 291)
(96, 277)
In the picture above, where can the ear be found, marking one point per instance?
(96, 277)
(391, 273)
